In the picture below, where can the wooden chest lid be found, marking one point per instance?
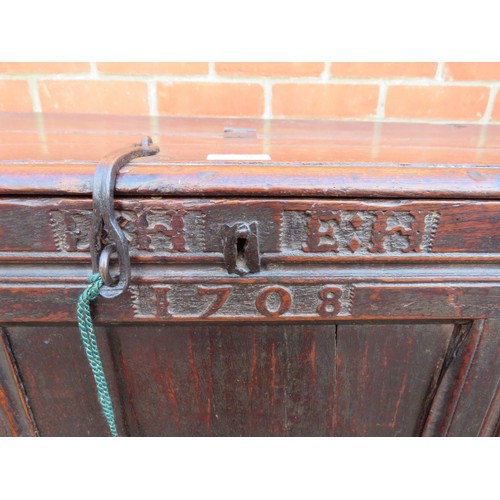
(50, 155)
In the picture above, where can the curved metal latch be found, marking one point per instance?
(106, 236)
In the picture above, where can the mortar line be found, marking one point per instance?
(34, 94)
(152, 98)
(325, 76)
(439, 76)
(430, 121)
(93, 69)
(212, 73)
(268, 100)
(258, 80)
(489, 106)
(382, 94)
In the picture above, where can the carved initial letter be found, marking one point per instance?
(414, 231)
(315, 232)
(155, 221)
(161, 301)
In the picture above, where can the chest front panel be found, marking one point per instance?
(364, 318)
(348, 285)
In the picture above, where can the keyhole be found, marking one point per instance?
(241, 261)
(240, 248)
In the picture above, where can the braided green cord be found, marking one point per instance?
(89, 342)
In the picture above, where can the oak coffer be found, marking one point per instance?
(261, 278)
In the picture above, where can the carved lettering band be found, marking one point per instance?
(156, 229)
(240, 300)
(358, 232)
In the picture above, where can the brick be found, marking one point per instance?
(495, 114)
(270, 69)
(472, 71)
(383, 70)
(211, 99)
(15, 96)
(324, 100)
(31, 68)
(154, 68)
(90, 96)
(436, 102)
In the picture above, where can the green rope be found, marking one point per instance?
(89, 342)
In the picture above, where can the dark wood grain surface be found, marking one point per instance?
(239, 380)
(16, 418)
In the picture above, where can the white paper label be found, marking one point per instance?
(238, 157)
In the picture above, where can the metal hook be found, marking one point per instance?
(105, 230)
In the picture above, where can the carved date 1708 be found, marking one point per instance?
(180, 300)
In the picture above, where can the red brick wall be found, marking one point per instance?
(431, 92)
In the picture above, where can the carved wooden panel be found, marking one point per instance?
(287, 229)
(377, 396)
(255, 299)
(318, 260)
(362, 318)
(347, 286)
(15, 414)
(58, 380)
(467, 399)
(385, 379)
